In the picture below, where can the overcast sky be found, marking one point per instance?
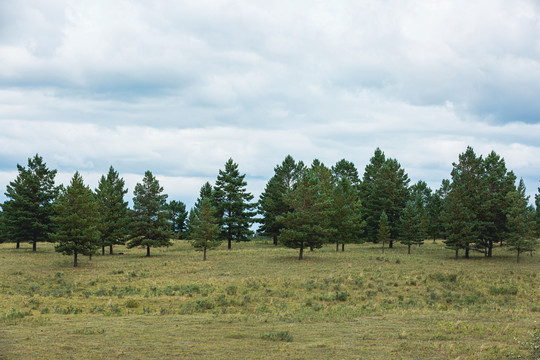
(178, 87)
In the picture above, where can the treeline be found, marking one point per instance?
(302, 207)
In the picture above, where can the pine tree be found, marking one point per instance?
(2, 226)
(204, 228)
(149, 226)
(232, 202)
(113, 210)
(205, 192)
(271, 202)
(459, 221)
(469, 188)
(346, 169)
(177, 218)
(28, 209)
(434, 210)
(383, 234)
(499, 183)
(346, 214)
(307, 224)
(384, 188)
(76, 220)
(413, 225)
(521, 223)
(537, 203)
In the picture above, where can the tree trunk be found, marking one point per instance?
(391, 244)
(18, 244)
(110, 250)
(301, 256)
(204, 252)
(75, 258)
(457, 250)
(466, 253)
(490, 249)
(409, 250)
(342, 247)
(229, 244)
(103, 250)
(275, 240)
(148, 251)
(518, 256)
(337, 245)
(34, 246)
(383, 247)
(90, 257)
(311, 248)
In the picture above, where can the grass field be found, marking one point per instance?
(257, 301)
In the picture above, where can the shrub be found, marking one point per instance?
(278, 336)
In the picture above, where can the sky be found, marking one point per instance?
(179, 87)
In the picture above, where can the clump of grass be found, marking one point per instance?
(87, 331)
(503, 290)
(278, 336)
(132, 304)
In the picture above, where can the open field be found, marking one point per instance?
(257, 301)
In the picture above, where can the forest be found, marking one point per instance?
(480, 207)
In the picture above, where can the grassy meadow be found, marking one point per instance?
(257, 301)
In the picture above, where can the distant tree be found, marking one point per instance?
(306, 225)
(204, 229)
(371, 204)
(113, 210)
(271, 202)
(149, 226)
(383, 235)
(346, 214)
(232, 202)
(76, 220)
(177, 218)
(28, 208)
(521, 222)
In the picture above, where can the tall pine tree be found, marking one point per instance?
(149, 226)
(271, 202)
(28, 208)
(232, 202)
(76, 220)
(113, 210)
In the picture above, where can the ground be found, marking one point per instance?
(257, 301)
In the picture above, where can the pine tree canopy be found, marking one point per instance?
(76, 220)
(149, 226)
(28, 209)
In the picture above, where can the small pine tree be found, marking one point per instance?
(411, 226)
(149, 227)
(204, 228)
(383, 235)
(76, 220)
(113, 210)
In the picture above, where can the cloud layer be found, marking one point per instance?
(180, 88)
